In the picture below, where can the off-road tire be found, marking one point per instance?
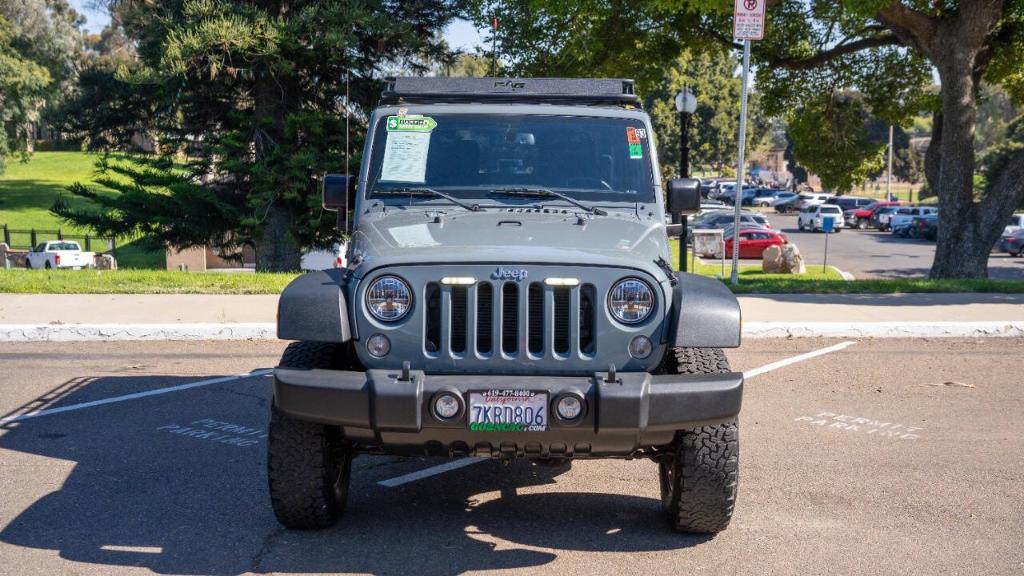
(699, 477)
(309, 465)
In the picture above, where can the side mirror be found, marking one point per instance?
(683, 196)
(338, 192)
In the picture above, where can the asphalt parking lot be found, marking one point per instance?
(878, 457)
(873, 254)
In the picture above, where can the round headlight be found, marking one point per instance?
(389, 298)
(631, 300)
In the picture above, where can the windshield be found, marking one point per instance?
(474, 156)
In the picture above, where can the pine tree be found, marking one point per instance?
(248, 107)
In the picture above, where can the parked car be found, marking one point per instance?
(861, 217)
(324, 259)
(1013, 243)
(727, 191)
(900, 223)
(723, 218)
(787, 202)
(1016, 223)
(812, 199)
(762, 197)
(754, 241)
(926, 227)
(813, 217)
(849, 202)
(59, 254)
(880, 218)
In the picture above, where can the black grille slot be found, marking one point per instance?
(509, 318)
(536, 318)
(561, 342)
(587, 319)
(459, 297)
(484, 317)
(432, 330)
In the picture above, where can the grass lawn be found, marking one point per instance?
(20, 281)
(27, 190)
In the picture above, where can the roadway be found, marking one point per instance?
(877, 457)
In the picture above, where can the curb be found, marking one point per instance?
(1008, 329)
(121, 332)
(268, 331)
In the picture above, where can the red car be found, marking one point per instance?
(862, 217)
(754, 241)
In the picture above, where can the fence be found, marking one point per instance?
(30, 238)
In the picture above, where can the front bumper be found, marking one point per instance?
(380, 412)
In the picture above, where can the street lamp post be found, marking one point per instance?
(686, 105)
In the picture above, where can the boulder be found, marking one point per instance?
(106, 262)
(792, 261)
(771, 260)
(11, 258)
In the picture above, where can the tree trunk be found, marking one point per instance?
(962, 251)
(273, 96)
(275, 251)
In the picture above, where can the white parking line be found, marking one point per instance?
(800, 358)
(426, 472)
(83, 405)
(463, 462)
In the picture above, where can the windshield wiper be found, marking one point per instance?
(427, 192)
(546, 193)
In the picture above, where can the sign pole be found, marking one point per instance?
(740, 171)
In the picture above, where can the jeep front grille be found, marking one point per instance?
(544, 321)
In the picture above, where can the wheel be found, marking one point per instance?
(309, 465)
(700, 475)
(862, 223)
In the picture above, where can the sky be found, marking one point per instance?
(460, 33)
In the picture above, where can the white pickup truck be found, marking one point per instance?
(59, 254)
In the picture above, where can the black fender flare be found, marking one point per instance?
(313, 307)
(707, 313)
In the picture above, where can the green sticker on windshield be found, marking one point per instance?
(411, 124)
(633, 139)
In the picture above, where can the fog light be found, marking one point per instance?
(640, 347)
(378, 345)
(569, 407)
(446, 406)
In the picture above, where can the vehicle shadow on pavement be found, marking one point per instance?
(175, 483)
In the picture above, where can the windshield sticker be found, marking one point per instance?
(411, 123)
(633, 138)
(405, 157)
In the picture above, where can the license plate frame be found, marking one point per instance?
(495, 410)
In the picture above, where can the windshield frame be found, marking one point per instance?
(481, 193)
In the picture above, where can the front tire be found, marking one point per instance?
(309, 465)
(699, 476)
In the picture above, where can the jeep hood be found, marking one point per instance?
(508, 236)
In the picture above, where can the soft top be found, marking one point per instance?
(574, 91)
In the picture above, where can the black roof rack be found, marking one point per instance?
(579, 91)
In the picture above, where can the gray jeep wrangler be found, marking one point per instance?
(508, 294)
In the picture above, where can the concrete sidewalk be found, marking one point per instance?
(162, 309)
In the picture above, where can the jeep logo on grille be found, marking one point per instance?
(509, 274)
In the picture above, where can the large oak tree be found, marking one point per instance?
(814, 53)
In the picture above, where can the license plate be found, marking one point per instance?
(508, 411)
